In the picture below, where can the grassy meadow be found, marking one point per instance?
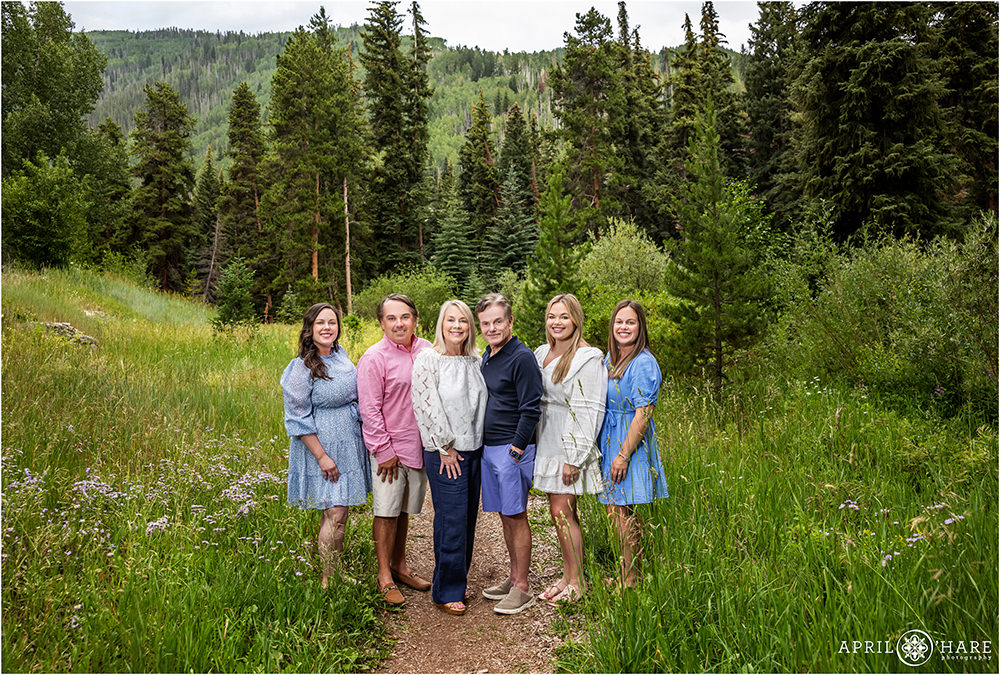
(145, 529)
(144, 517)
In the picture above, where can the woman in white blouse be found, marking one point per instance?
(567, 461)
(449, 402)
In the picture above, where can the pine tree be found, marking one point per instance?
(396, 93)
(454, 250)
(109, 188)
(161, 203)
(210, 240)
(239, 204)
(587, 86)
(716, 269)
(510, 241)
(769, 72)
(560, 248)
(516, 155)
(315, 117)
(478, 183)
(872, 141)
(717, 80)
(965, 47)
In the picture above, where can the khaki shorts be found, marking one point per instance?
(404, 495)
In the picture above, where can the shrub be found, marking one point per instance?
(235, 296)
(132, 267)
(917, 325)
(598, 303)
(427, 286)
(624, 257)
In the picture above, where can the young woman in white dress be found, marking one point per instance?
(567, 461)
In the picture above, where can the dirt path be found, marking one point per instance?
(480, 641)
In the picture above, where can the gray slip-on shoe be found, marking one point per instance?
(499, 591)
(516, 601)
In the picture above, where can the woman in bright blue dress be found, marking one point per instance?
(327, 460)
(630, 459)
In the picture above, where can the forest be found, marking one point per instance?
(810, 225)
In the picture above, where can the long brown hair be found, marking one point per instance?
(576, 338)
(308, 350)
(641, 339)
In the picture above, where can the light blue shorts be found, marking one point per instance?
(505, 482)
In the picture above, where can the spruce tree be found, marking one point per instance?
(553, 268)
(769, 72)
(478, 183)
(161, 203)
(715, 268)
(587, 87)
(109, 187)
(454, 249)
(872, 144)
(239, 204)
(396, 94)
(517, 155)
(509, 241)
(210, 240)
(965, 47)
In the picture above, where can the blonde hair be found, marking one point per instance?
(469, 346)
(576, 338)
(641, 341)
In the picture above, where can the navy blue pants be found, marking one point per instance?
(456, 506)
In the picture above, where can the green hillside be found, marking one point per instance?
(206, 67)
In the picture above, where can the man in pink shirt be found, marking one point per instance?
(393, 438)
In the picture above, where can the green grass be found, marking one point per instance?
(799, 517)
(145, 529)
(144, 517)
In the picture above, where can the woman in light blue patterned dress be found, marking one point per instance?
(327, 460)
(630, 459)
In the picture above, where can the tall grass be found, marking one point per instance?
(799, 516)
(144, 517)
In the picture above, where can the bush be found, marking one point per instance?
(624, 257)
(598, 303)
(427, 286)
(917, 325)
(133, 267)
(235, 296)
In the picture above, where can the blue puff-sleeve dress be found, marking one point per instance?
(638, 386)
(329, 409)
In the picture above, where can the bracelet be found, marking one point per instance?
(627, 458)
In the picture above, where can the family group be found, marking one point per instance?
(566, 419)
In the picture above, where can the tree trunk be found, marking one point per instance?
(347, 249)
(211, 262)
(315, 235)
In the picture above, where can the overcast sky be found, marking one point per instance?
(518, 25)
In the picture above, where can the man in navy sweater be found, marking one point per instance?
(514, 383)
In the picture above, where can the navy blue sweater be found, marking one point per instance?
(514, 383)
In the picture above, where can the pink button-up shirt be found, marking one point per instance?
(387, 420)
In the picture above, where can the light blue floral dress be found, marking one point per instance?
(638, 386)
(329, 409)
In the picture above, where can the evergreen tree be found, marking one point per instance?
(478, 183)
(210, 240)
(396, 93)
(454, 250)
(239, 203)
(716, 268)
(872, 141)
(510, 241)
(588, 89)
(235, 295)
(109, 187)
(517, 155)
(717, 83)
(161, 203)
(965, 46)
(51, 79)
(642, 126)
(560, 247)
(315, 117)
(769, 71)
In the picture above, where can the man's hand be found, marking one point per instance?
(389, 469)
